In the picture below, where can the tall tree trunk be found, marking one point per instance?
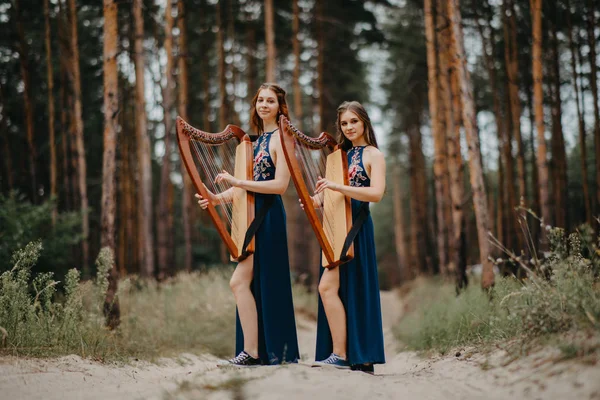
(422, 262)
(296, 75)
(299, 230)
(583, 149)
(78, 130)
(534, 227)
(27, 103)
(188, 191)
(5, 146)
(50, 78)
(64, 56)
(223, 109)
(501, 131)
(111, 110)
(270, 40)
(591, 24)
(320, 62)
(512, 69)
(399, 230)
(559, 157)
(163, 232)
(251, 61)
(476, 173)
(145, 246)
(538, 99)
(437, 114)
(458, 242)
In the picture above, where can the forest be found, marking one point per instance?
(487, 112)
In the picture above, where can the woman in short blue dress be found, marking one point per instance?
(349, 329)
(261, 284)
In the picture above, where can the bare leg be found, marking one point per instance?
(240, 286)
(334, 309)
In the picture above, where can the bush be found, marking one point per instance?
(188, 313)
(22, 222)
(560, 295)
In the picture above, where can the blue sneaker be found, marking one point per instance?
(333, 361)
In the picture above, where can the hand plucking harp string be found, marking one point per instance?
(323, 184)
(225, 176)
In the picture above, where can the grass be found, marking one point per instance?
(558, 303)
(192, 313)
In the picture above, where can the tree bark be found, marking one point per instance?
(4, 131)
(501, 131)
(534, 227)
(538, 99)
(145, 246)
(223, 109)
(187, 191)
(458, 243)
(476, 173)
(591, 24)
(559, 157)
(50, 79)
(320, 63)
(163, 232)
(64, 56)
(111, 110)
(251, 61)
(399, 229)
(270, 41)
(27, 102)
(576, 88)
(78, 130)
(512, 69)
(296, 75)
(438, 126)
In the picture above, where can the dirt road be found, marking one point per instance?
(404, 376)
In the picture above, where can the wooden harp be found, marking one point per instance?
(308, 158)
(205, 155)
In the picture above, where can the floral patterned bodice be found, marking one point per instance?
(264, 167)
(357, 174)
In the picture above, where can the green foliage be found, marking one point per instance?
(189, 313)
(565, 298)
(22, 222)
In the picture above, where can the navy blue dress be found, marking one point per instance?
(359, 287)
(271, 284)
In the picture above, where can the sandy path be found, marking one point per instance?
(404, 376)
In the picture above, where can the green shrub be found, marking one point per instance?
(562, 294)
(22, 222)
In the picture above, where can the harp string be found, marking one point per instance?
(212, 159)
(313, 164)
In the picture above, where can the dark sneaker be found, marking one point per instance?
(245, 360)
(333, 361)
(367, 368)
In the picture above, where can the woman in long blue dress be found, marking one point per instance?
(349, 329)
(261, 284)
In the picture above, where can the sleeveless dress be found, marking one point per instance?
(359, 287)
(271, 284)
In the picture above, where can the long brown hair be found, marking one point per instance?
(361, 113)
(256, 122)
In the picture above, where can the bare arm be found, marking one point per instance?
(373, 193)
(278, 185)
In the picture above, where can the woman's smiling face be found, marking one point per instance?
(267, 105)
(352, 126)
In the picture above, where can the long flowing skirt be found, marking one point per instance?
(272, 289)
(359, 292)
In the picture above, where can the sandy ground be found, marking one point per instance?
(405, 376)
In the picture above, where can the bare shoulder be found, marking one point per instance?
(276, 137)
(374, 154)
